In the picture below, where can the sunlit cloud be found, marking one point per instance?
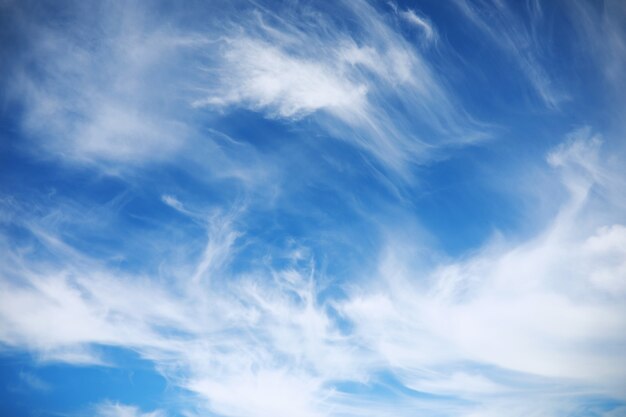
(253, 204)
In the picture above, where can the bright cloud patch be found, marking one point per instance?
(295, 209)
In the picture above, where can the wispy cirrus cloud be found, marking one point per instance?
(304, 64)
(126, 94)
(212, 260)
(32, 381)
(420, 22)
(600, 32)
(92, 97)
(489, 329)
(109, 409)
(546, 293)
(515, 36)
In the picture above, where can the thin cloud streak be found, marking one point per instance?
(496, 20)
(422, 23)
(109, 409)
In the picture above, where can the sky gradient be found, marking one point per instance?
(313, 208)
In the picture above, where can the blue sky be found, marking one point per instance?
(313, 209)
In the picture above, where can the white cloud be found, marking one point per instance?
(121, 88)
(262, 341)
(98, 98)
(173, 202)
(263, 77)
(501, 25)
(295, 67)
(496, 328)
(32, 381)
(601, 30)
(267, 393)
(109, 409)
(421, 22)
(552, 306)
(216, 338)
(219, 247)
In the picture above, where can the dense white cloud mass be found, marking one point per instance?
(212, 260)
